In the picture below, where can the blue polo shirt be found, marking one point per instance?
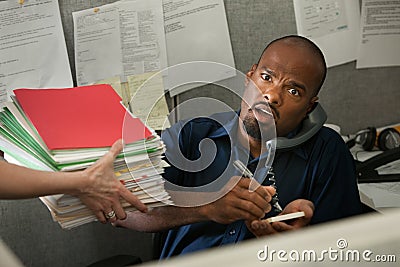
(321, 170)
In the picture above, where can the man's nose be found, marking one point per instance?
(273, 94)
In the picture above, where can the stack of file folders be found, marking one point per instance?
(69, 129)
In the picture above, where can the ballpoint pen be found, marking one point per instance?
(248, 174)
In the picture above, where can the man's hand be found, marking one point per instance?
(240, 203)
(102, 190)
(261, 228)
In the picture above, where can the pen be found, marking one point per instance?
(248, 174)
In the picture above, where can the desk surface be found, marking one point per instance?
(7, 257)
(372, 237)
(380, 196)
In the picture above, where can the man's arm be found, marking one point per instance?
(239, 203)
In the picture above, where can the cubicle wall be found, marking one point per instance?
(353, 99)
(27, 227)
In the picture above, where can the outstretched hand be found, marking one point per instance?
(261, 228)
(103, 190)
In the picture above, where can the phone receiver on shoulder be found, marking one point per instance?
(311, 125)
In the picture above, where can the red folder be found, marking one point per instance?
(80, 117)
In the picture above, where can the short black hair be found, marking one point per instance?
(305, 42)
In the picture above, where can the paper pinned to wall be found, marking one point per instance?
(33, 52)
(380, 34)
(332, 24)
(142, 36)
(147, 99)
(120, 39)
(196, 31)
(120, 44)
(97, 41)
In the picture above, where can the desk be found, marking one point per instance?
(7, 256)
(381, 196)
(374, 234)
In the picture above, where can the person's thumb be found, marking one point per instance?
(116, 148)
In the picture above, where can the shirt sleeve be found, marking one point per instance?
(333, 188)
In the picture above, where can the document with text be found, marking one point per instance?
(33, 52)
(380, 34)
(326, 22)
(197, 31)
(118, 40)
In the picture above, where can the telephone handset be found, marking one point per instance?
(311, 124)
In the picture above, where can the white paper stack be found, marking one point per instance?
(69, 129)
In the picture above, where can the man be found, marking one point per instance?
(317, 177)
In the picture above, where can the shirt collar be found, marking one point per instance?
(298, 150)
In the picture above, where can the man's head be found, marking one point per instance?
(288, 75)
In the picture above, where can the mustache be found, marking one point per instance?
(271, 106)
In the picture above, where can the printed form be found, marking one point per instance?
(332, 24)
(197, 31)
(121, 44)
(120, 39)
(380, 34)
(33, 52)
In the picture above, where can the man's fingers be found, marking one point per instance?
(255, 202)
(261, 228)
(252, 186)
(271, 191)
(251, 203)
(282, 226)
(240, 213)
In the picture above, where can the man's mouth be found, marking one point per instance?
(264, 113)
(263, 109)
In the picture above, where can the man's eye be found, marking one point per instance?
(266, 76)
(293, 91)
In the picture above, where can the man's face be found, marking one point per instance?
(286, 78)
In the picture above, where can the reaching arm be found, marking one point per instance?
(239, 203)
(97, 186)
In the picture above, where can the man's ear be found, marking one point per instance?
(250, 73)
(312, 104)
